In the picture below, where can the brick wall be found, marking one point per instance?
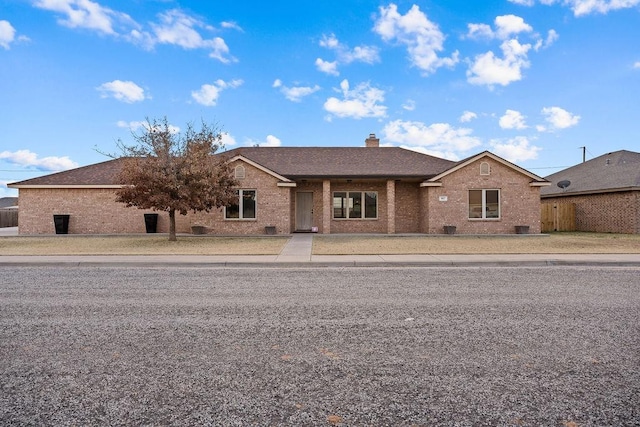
(605, 213)
(274, 208)
(92, 211)
(519, 202)
(408, 207)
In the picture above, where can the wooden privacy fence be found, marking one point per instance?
(558, 217)
(8, 218)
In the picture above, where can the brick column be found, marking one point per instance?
(391, 207)
(327, 206)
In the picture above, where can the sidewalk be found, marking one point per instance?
(298, 253)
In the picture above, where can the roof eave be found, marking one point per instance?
(67, 186)
(589, 192)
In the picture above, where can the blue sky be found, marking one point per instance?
(530, 80)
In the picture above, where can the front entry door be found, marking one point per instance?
(304, 211)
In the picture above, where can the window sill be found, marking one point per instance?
(354, 219)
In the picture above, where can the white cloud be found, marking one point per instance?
(636, 65)
(480, 31)
(208, 94)
(487, 69)
(270, 141)
(422, 37)
(518, 149)
(228, 140)
(512, 120)
(362, 101)
(585, 7)
(135, 126)
(552, 36)
(30, 159)
(327, 67)
(86, 14)
(179, 29)
(125, 91)
(558, 118)
(232, 25)
(506, 26)
(436, 139)
(8, 35)
(295, 93)
(467, 116)
(345, 55)
(174, 26)
(410, 105)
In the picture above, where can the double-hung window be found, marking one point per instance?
(355, 205)
(245, 208)
(484, 204)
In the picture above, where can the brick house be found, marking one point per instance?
(369, 189)
(605, 192)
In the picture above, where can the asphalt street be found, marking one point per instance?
(350, 346)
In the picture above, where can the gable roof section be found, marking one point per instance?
(536, 181)
(344, 162)
(615, 171)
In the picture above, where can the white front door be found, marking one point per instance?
(304, 211)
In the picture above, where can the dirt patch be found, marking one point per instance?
(561, 243)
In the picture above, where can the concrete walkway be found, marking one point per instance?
(297, 249)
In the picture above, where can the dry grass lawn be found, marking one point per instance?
(322, 245)
(140, 245)
(556, 243)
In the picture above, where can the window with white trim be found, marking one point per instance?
(245, 208)
(484, 204)
(355, 205)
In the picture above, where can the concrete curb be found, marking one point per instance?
(146, 263)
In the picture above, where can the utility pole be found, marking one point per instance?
(584, 154)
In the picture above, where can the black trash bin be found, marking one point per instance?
(449, 229)
(61, 222)
(151, 222)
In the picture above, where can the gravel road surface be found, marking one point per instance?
(553, 346)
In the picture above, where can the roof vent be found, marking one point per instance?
(372, 141)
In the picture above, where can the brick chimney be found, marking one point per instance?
(372, 141)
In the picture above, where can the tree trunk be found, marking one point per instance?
(172, 225)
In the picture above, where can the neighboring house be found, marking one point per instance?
(8, 202)
(368, 189)
(605, 192)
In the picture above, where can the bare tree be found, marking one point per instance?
(175, 172)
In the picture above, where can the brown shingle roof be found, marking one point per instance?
(290, 162)
(612, 171)
(97, 174)
(344, 162)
